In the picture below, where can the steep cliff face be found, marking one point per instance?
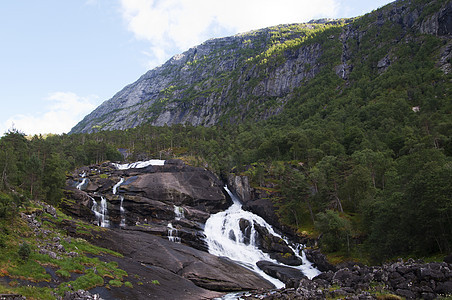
(253, 75)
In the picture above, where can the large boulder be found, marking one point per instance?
(276, 247)
(290, 276)
(194, 189)
(203, 269)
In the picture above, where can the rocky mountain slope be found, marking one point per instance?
(253, 75)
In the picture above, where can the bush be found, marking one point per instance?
(335, 231)
(24, 251)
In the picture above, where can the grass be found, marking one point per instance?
(92, 272)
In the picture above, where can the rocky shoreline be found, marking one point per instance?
(399, 280)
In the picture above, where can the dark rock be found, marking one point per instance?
(308, 289)
(430, 273)
(406, 293)
(448, 259)
(395, 279)
(319, 260)
(444, 288)
(203, 269)
(328, 276)
(276, 247)
(345, 278)
(194, 189)
(428, 296)
(245, 228)
(290, 276)
(265, 209)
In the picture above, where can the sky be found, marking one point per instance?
(59, 60)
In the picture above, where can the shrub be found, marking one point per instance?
(24, 251)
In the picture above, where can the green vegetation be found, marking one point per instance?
(27, 265)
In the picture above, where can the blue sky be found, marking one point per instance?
(61, 59)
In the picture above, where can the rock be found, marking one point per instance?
(290, 276)
(383, 64)
(245, 228)
(275, 247)
(308, 289)
(80, 295)
(319, 260)
(444, 288)
(194, 189)
(148, 197)
(265, 209)
(241, 187)
(406, 293)
(203, 269)
(448, 259)
(429, 273)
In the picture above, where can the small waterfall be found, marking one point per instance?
(116, 186)
(225, 238)
(122, 211)
(140, 164)
(173, 234)
(179, 212)
(82, 183)
(104, 212)
(101, 212)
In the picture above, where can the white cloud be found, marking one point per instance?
(171, 25)
(62, 112)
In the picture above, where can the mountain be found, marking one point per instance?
(253, 75)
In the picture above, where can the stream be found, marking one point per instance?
(225, 238)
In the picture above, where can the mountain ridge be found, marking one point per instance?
(253, 75)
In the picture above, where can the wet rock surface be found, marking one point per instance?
(201, 268)
(156, 217)
(147, 198)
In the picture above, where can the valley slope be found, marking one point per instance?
(252, 76)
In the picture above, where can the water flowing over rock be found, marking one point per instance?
(247, 238)
(156, 215)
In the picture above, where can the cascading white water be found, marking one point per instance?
(173, 234)
(179, 212)
(121, 198)
(101, 212)
(95, 210)
(81, 184)
(104, 222)
(140, 164)
(122, 211)
(115, 187)
(225, 238)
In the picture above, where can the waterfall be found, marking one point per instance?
(179, 212)
(122, 212)
(116, 186)
(101, 212)
(81, 184)
(104, 212)
(173, 234)
(121, 208)
(95, 210)
(140, 164)
(225, 238)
